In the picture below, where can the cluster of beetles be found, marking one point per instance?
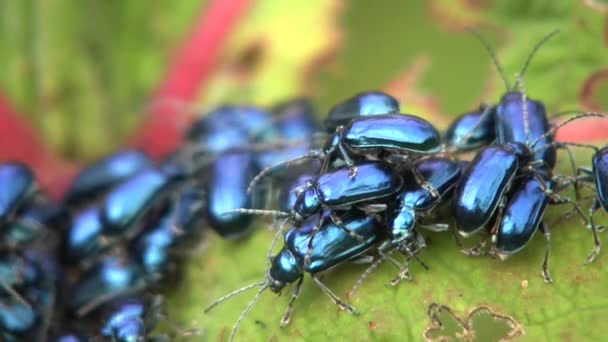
(361, 185)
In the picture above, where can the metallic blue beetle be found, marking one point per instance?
(128, 320)
(128, 203)
(229, 176)
(415, 202)
(295, 127)
(82, 240)
(400, 135)
(26, 295)
(112, 276)
(471, 130)
(180, 222)
(18, 186)
(522, 217)
(362, 104)
(369, 190)
(331, 246)
(483, 185)
(99, 177)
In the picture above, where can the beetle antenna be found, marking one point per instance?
(368, 271)
(265, 172)
(492, 54)
(574, 118)
(535, 50)
(234, 293)
(246, 311)
(273, 243)
(276, 213)
(10, 290)
(524, 105)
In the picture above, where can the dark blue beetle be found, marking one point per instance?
(18, 186)
(330, 246)
(412, 205)
(294, 125)
(99, 177)
(228, 127)
(471, 130)
(362, 104)
(291, 189)
(399, 135)
(525, 142)
(70, 337)
(598, 176)
(521, 119)
(483, 185)
(124, 207)
(128, 320)
(229, 176)
(415, 202)
(82, 240)
(370, 189)
(26, 296)
(181, 220)
(522, 216)
(112, 276)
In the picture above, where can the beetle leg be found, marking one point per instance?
(573, 166)
(435, 227)
(352, 169)
(338, 221)
(424, 184)
(546, 276)
(556, 199)
(11, 291)
(294, 296)
(368, 271)
(315, 229)
(341, 304)
(594, 230)
(403, 274)
(477, 250)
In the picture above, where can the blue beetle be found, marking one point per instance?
(330, 247)
(471, 130)
(483, 185)
(180, 222)
(362, 104)
(295, 127)
(597, 175)
(228, 127)
(522, 216)
(18, 187)
(370, 189)
(291, 188)
(70, 337)
(27, 294)
(113, 275)
(415, 202)
(130, 319)
(229, 176)
(82, 240)
(400, 135)
(125, 206)
(100, 176)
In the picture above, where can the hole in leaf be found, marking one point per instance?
(482, 325)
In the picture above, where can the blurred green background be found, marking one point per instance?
(83, 73)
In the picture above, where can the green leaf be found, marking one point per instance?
(488, 299)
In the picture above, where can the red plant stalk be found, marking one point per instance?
(188, 74)
(20, 142)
